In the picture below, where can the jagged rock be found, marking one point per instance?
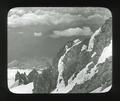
(32, 75)
(22, 78)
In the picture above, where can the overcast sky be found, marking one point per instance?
(42, 31)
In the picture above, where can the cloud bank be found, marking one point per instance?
(72, 32)
(35, 18)
(18, 17)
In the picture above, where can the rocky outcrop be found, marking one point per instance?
(80, 66)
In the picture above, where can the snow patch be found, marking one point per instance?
(106, 53)
(83, 48)
(107, 89)
(71, 78)
(76, 41)
(93, 54)
(91, 42)
(99, 90)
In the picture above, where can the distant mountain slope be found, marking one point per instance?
(82, 66)
(40, 63)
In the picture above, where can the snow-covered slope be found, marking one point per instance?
(99, 90)
(23, 89)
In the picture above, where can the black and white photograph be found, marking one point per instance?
(59, 50)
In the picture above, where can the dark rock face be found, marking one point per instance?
(41, 85)
(45, 82)
(77, 59)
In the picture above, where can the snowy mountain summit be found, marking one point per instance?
(81, 66)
